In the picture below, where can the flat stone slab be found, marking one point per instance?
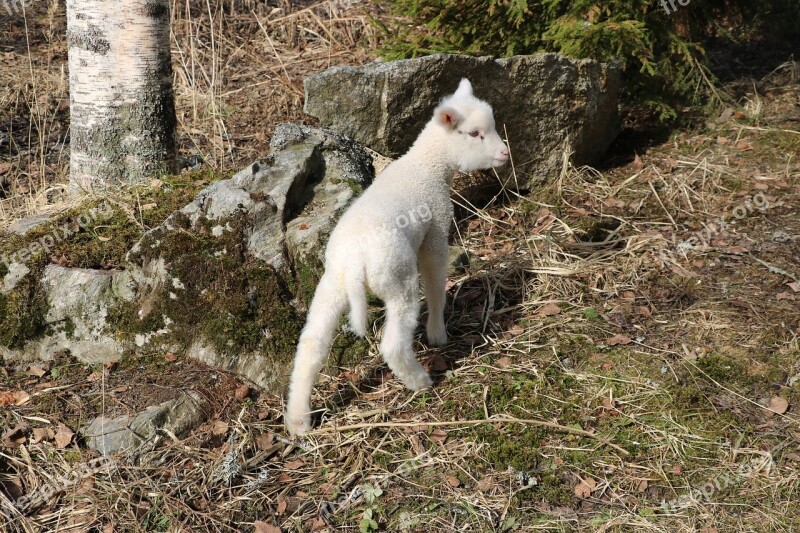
(113, 435)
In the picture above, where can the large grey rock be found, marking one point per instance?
(547, 103)
(177, 417)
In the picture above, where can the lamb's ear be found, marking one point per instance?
(464, 88)
(448, 117)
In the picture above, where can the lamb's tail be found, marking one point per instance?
(326, 309)
(355, 282)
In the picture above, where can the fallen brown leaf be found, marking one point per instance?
(21, 397)
(16, 435)
(7, 397)
(294, 465)
(264, 441)
(317, 524)
(549, 310)
(439, 435)
(41, 434)
(263, 527)
(778, 405)
(36, 371)
(63, 436)
(618, 339)
(219, 427)
(614, 202)
(637, 163)
(437, 363)
(503, 362)
(282, 506)
(516, 330)
(242, 392)
(585, 487)
(485, 484)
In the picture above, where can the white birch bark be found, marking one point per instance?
(122, 110)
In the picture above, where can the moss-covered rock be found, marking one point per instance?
(223, 276)
(88, 243)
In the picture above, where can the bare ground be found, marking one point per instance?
(624, 351)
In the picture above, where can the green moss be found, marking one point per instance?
(552, 396)
(721, 368)
(217, 292)
(785, 143)
(72, 456)
(23, 310)
(596, 230)
(307, 275)
(355, 186)
(348, 350)
(517, 449)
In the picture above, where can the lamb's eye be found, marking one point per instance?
(474, 133)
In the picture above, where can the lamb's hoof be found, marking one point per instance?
(297, 425)
(436, 334)
(437, 338)
(419, 382)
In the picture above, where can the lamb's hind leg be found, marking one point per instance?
(402, 311)
(315, 342)
(433, 267)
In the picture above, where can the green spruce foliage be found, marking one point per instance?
(661, 44)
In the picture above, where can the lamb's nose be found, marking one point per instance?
(504, 152)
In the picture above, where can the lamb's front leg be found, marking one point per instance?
(433, 267)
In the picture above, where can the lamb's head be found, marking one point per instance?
(469, 126)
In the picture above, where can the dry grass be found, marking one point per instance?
(589, 384)
(580, 312)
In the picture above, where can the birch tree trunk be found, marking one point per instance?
(122, 109)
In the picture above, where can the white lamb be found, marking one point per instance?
(395, 231)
